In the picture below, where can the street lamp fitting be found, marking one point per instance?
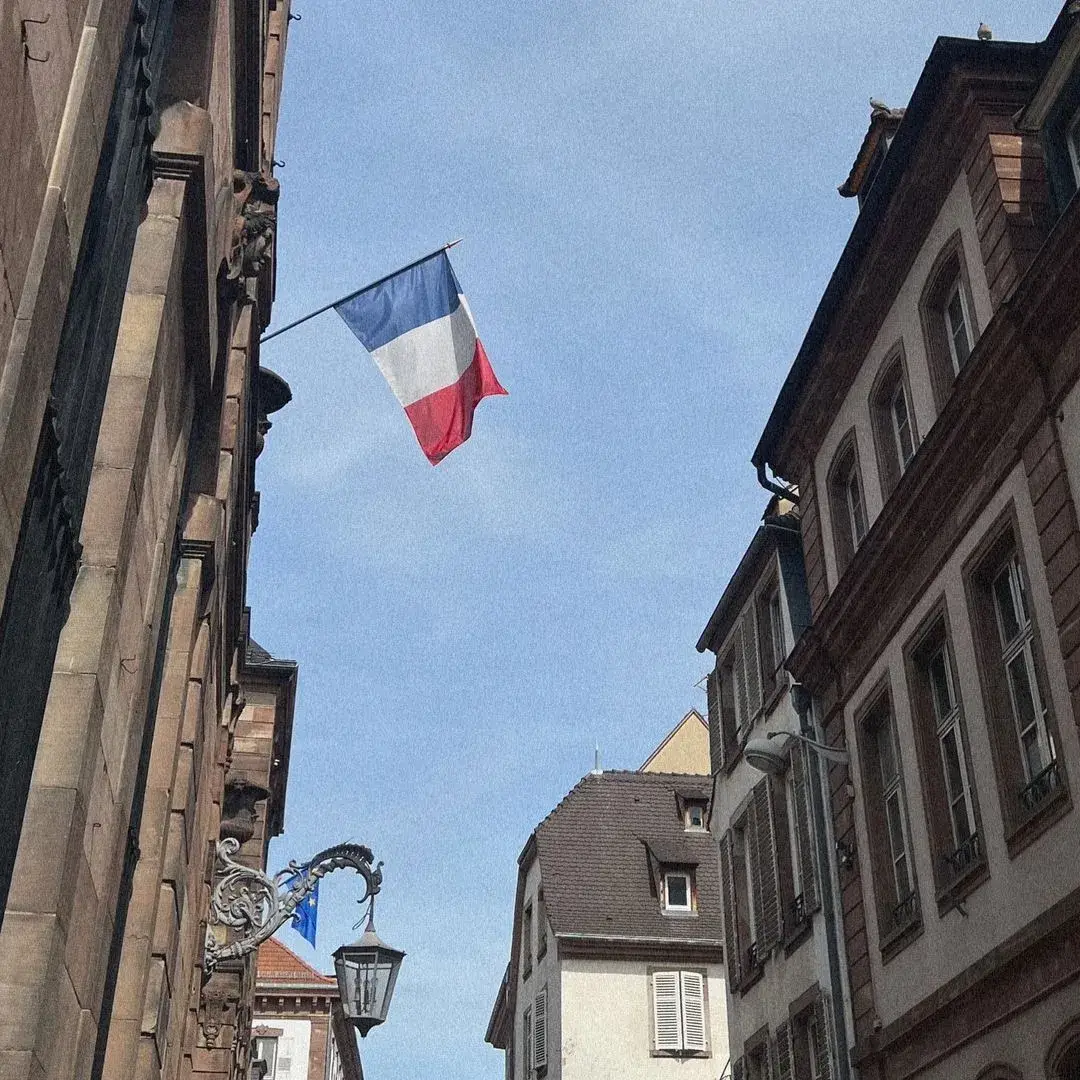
(762, 755)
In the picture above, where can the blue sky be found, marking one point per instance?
(648, 196)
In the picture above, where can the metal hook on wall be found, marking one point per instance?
(277, 164)
(26, 43)
(294, 17)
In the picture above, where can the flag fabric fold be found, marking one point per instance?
(306, 916)
(420, 332)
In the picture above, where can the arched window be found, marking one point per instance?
(1063, 1057)
(847, 503)
(894, 422)
(948, 317)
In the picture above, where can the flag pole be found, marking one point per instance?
(341, 300)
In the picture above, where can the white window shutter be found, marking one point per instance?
(695, 1037)
(540, 1030)
(667, 1016)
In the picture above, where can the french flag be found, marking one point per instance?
(418, 328)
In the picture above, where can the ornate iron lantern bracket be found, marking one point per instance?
(256, 905)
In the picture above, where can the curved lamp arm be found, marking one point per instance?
(250, 901)
(830, 753)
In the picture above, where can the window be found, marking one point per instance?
(846, 503)
(772, 648)
(679, 1013)
(265, 1050)
(678, 891)
(1020, 722)
(1073, 140)
(948, 318)
(527, 1040)
(541, 925)
(694, 815)
(526, 941)
(750, 878)
(941, 743)
(893, 423)
(1017, 640)
(803, 1049)
(885, 806)
(735, 690)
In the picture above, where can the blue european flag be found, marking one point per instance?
(306, 915)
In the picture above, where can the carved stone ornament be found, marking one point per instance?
(255, 906)
(255, 196)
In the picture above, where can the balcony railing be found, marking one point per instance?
(798, 912)
(1042, 786)
(904, 913)
(964, 857)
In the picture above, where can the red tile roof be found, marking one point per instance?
(280, 966)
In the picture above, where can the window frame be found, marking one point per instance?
(959, 866)
(899, 918)
(892, 380)
(947, 277)
(678, 909)
(1028, 807)
(772, 648)
(845, 473)
(526, 941)
(541, 925)
(1072, 145)
(271, 1065)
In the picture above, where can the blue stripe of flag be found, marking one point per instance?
(416, 296)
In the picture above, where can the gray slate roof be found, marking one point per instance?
(594, 852)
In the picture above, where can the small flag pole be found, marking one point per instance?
(341, 300)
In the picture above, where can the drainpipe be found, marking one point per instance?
(777, 489)
(800, 698)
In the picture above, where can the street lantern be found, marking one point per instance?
(366, 973)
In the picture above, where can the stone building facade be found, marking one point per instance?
(928, 430)
(138, 722)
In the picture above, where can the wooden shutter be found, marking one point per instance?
(717, 736)
(667, 1016)
(739, 671)
(801, 779)
(738, 1069)
(766, 884)
(823, 1020)
(785, 1063)
(731, 911)
(695, 1032)
(751, 662)
(772, 904)
(540, 1030)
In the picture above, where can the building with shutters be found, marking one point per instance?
(780, 1006)
(928, 430)
(139, 725)
(298, 1029)
(616, 965)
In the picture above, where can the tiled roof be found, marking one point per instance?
(594, 852)
(280, 966)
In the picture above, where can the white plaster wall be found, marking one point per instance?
(294, 1046)
(1017, 888)
(902, 322)
(607, 1025)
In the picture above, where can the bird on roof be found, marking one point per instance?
(984, 32)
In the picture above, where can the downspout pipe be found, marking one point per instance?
(777, 489)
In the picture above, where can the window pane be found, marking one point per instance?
(1034, 758)
(776, 626)
(1008, 618)
(950, 755)
(903, 879)
(886, 756)
(902, 426)
(960, 820)
(940, 687)
(1021, 691)
(896, 825)
(957, 326)
(678, 891)
(855, 507)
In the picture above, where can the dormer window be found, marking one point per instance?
(678, 891)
